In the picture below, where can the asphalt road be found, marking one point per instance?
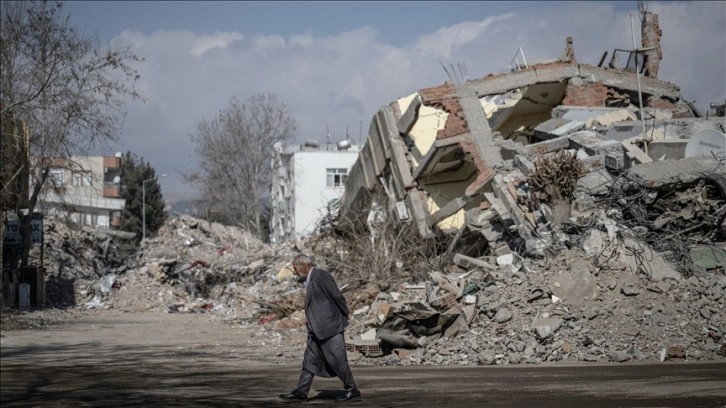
(108, 365)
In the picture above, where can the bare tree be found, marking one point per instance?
(234, 151)
(69, 90)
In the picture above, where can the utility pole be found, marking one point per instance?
(637, 51)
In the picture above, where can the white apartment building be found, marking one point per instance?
(305, 179)
(85, 188)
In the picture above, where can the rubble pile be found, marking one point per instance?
(559, 309)
(672, 217)
(190, 265)
(633, 268)
(586, 207)
(591, 301)
(80, 262)
(195, 265)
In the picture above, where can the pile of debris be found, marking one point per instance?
(495, 311)
(583, 226)
(193, 265)
(80, 262)
(593, 301)
(676, 208)
(189, 265)
(634, 271)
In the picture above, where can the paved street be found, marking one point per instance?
(143, 360)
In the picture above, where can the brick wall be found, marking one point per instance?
(594, 94)
(661, 103)
(442, 97)
(651, 34)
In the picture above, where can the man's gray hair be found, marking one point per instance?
(302, 260)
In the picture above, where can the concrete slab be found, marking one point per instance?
(651, 263)
(621, 131)
(661, 174)
(553, 128)
(596, 182)
(447, 210)
(547, 146)
(635, 153)
(592, 142)
(670, 149)
(408, 118)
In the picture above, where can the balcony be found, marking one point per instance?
(111, 162)
(111, 190)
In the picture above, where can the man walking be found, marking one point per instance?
(327, 317)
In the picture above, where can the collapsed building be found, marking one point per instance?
(463, 156)
(561, 188)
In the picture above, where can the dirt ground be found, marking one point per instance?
(83, 358)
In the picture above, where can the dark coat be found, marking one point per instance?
(325, 309)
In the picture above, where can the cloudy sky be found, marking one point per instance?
(336, 63)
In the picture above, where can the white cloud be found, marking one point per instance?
(342, 80)
(269, 42)
(216, 40)
(445, 40)
(303, 40)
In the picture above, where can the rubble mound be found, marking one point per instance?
(559, 309)
(76, 258)
(595, 299)
(191, 264)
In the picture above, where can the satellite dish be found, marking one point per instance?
(118, 154)
(116, 180)
(706, 142)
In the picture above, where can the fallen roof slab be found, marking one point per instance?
(665, 173)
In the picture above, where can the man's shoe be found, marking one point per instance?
(295, 396)
(350, 396)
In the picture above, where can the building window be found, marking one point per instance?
(336, 177)
(81, 178)
(56, 176)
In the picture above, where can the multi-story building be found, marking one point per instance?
(305, 180)
(85, 188)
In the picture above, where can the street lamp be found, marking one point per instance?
(143, 204)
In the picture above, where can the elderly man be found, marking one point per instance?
(327, 316)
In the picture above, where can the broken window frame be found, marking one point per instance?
(635, 60)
